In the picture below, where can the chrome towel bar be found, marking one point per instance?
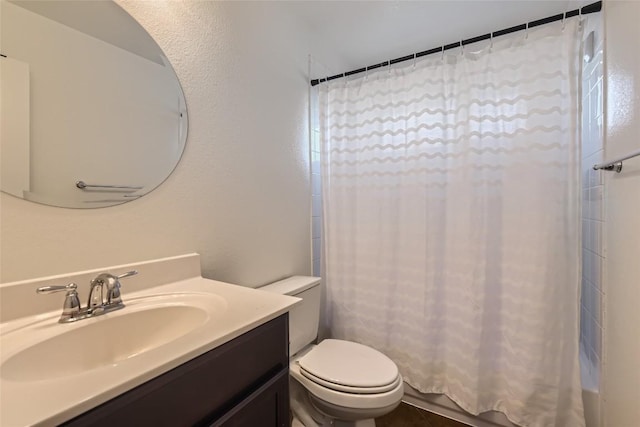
(82, 185)
(616, 165)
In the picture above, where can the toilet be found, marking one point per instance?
(335, 382)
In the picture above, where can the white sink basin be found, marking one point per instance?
(105, 341)
(52, 372)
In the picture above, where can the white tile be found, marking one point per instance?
(588, 330)
(597, 271)
(594, 132)
(591, 240)
(597, 237)
(586, 212)
(597, 157)
(315, 140)
(592, 301)
(593, 359)
(316, 247)
(583, 324)
(596, 202)
(599, 65)
(585, 134)
(589, 265)
(316, 205)
(585, 93)
(593, 77)
(315, 184)
(316, 226)
(587, 260)
(597, 306)
(585, 234)
(315, 165)
(588, 147)
(597, 341)
(598, 98)
(587, 290)
(585, 176)
(586, 72)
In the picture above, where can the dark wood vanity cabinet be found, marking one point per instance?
(243, 383)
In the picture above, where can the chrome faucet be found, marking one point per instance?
(97, 304)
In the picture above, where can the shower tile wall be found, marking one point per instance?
(593, 215)
(316, 189)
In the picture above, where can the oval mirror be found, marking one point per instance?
(92, 113)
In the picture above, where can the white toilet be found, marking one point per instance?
(336, 382)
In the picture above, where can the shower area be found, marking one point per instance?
(458, 223)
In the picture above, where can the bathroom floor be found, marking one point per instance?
(410, 416)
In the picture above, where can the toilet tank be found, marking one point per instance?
(305, 316)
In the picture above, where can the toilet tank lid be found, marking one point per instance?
(292, 285)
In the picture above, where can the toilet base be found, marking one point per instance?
(349, 414)
(307, 414)
(370, 422)
(360, 423)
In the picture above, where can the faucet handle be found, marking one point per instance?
(128, 274)
(71, 306)
(113, 287)
(51, 289)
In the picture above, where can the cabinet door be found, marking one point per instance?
(266, 407)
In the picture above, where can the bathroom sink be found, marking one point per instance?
(106, 341)
(171, 316)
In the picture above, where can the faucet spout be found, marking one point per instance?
(96, 299)
(105, 290)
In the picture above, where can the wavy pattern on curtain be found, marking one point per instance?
(450, 194)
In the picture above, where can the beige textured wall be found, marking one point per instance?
(240, 196)
(621, 364)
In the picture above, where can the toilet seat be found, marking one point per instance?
(349, 375)
(351, 389)
(348, 400)
(350, 367)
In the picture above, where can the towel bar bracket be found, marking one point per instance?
(615, 167)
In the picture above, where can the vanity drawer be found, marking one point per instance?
(263, 407)
(203, 390)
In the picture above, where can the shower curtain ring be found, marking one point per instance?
(526, 31)
(414, 61)
(442, 57)
(461, 47)
(490, 42)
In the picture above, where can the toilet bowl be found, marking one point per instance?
(335, 380)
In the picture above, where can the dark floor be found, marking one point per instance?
(410, 416)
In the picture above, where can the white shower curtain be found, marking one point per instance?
(451, 206)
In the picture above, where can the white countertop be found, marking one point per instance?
(52, 401)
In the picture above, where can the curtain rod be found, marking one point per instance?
(590, 8)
